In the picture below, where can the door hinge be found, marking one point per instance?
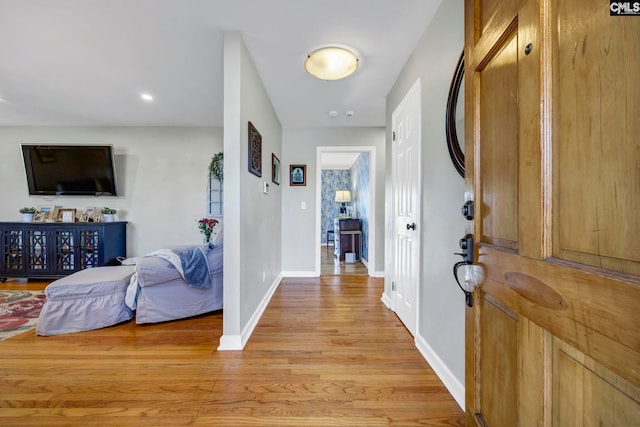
(393, 135)
(393, 286)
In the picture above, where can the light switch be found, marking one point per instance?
(303, 205)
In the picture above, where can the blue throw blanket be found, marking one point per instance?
(194, 266)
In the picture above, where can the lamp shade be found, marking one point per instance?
(331, 63)
(343, 196)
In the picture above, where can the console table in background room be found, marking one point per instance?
(56, 249)
(345, 240)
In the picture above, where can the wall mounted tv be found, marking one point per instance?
(69, 170)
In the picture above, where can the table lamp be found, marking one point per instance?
(344, 197)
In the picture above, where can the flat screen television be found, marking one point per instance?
(69, 170)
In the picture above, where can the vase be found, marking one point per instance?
(27, 217)
(108, 217)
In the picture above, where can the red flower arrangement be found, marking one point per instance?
(206, 227)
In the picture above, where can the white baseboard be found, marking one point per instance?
(299, 274)
(455, 387)
(372, 273)
(386, 301)
(230, 342)
(237, 342)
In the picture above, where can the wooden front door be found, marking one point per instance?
(553, 165)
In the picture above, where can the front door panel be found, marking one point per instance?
(552, 107)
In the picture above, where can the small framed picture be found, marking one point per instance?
(38, 217)
(66, 215)
(275, 169)
(97, 215)
(87, 215)
(255, 151)
(49, 212)
(298, 175)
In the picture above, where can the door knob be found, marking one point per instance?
(411, 226)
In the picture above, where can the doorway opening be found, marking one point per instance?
(345, 196)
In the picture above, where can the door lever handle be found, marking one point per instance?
(468, 296)
(411, 226)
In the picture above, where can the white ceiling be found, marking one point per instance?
(85, 62)
(338, 160)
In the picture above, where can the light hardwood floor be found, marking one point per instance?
(326, 352)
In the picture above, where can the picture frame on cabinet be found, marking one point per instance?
(38, 216)
(66, 215)
(89, 214)
(49, 213)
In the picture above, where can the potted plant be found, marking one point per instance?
(108, 214)
(27, 214)
(206, 226)
(216, 167)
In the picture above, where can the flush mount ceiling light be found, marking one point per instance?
(146, 97)
(331, 63)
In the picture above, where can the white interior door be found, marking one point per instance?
(406, 207)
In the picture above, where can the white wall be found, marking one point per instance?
(162, 175)
(252, 258)
(299, 237)
(440, 332)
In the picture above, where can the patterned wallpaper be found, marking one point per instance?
(360, 194)
(332, 180)
(356, 180)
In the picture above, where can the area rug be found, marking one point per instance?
(19, 311)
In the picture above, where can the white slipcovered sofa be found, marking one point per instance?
(163, 294)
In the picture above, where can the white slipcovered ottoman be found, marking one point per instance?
(85, 300)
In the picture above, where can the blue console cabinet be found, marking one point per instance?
(54, 250)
